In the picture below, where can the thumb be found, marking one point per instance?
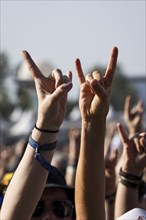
(61, 91)
(98, 88)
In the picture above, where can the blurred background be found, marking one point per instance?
(55, 33)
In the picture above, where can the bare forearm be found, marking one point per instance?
(110, 210)
(27, 183)
(72, 162)
(126, 199)
(91, 170)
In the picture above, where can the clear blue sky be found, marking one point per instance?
(60, 31)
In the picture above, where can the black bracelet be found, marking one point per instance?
(129, 180)
(128, 184)
(130, 176)
(46, 131)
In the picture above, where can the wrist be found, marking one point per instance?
(133, 130)
(46, 124)
(129, 180)
(43, 137)
(93, 124)
(132, 171)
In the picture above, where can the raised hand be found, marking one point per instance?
(95, 89)
(74, 145)
(52, 94)
(134, 152)
(133, 117)
(111, 159)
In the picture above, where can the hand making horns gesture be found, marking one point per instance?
(95, 89)
(51, 92)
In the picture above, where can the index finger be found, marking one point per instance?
(36, 73)
(79, 71)
(127, 105)
(109, 74)
(123, 136)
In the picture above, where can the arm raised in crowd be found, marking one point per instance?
(133, 116)
(29, 178)
(111, 159)
(94, 106)
(73, 155)
(130, 176)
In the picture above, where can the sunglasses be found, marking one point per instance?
(61, 208)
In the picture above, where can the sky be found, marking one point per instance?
(60, 31)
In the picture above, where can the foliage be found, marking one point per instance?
(7, 105)
(3, 67)
(5, 102)
(24, 98)
(120, 90)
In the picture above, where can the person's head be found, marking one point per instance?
(56, 202)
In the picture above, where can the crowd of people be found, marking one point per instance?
(92, 179)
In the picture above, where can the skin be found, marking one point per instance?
(52, 97)
(133, 162)
(110, 181)
(94, 106)
(73, 155)
(133, 116)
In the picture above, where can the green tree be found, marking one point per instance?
(6, 105)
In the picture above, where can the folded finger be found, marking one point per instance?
(143, 143)
(138, 145)
(58, 76)
(69, 74)
(97, 75)
(89, 77)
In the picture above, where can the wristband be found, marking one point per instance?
(129, 180)
(44, 147)
(43, 162)
(46, 131)
(130, 176)
(128, 184)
